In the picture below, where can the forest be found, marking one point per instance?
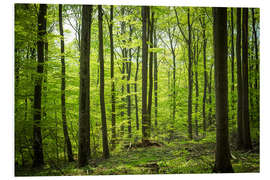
(117, 90)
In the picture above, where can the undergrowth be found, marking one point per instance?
(171, 158)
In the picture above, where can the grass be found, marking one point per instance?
(173, 158)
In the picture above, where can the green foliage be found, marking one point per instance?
(178, 154)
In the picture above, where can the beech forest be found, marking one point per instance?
(126, 90)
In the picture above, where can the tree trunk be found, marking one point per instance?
(256, 48)
(222, 161)
(155, 78)
(210, 117)
(174, 93)
(172, 48)
(239, 81)
(246, 129)
(135, 89)
(196, 59)
(204, 73)
(145, 129)
(38, 160)
(106, 153)
(84, 107)
(232, 63)
(149, 110)
(190, 79)
(112, 78)
(124, 58)
(63, 88)
(56, 134)
(128, 67)
(45, 91)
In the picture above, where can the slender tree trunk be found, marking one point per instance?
(135, 89)
(149, 110)
(190, 79)
(204, 73)
(169, 91)
(112, 78)
(256, 48)
(222, 162)
(174, 80)
(232, 63)
(38, 160)
(122, 126)
(25, 119)
(84, 107)
(155, 79)
(210, 117)
(174, 93)
(239, 81)
(128, 67)
(195, 55)
(246, 129)
(46, 52)
(124, 58)
(56, 134)
(251, 94)
(106, 153)
(63, 88)
(145, 129)
(196, 59)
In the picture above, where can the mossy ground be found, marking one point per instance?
(171, 158)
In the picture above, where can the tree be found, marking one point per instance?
(256, 46)
(190, 78)
(239, 81)
(145, 128)
(210, 116)
(128, 67)
(37, 137)
(232, 62)
(246, 129)
(106, 153)
(155, 78)
(188, 40)
(196, 59)
(150, 92)
(203, 24)
(135, 88)
(222, 158)
(112, 77)
(63, 88)
(84, 108)
(170, 31)
(123, 70)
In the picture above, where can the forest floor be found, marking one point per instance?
(172, 158)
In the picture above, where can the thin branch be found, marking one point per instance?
(178, 24)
